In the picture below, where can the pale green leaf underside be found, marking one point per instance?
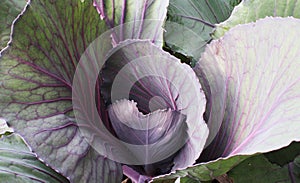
(19, 164)
(9, 10)
(36, 73)
(252, 10)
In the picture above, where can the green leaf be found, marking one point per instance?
(252, 10)
(190, 23)
(19, 164)
(204, 171)
(294, 169)
(9, 10)
(36, 75)
(259, 169)
(187, 180)
(284, 155)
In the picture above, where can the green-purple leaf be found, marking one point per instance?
(36, 74)
(19, 164)
(140, 71)
(256, 68)
(9, 11)
(137, 19)
(252, 10)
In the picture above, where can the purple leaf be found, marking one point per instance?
(256, 68)
(165, 129)
(140, 71)
(136, 128)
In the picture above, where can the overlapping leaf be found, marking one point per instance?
(159, 75)
(36, 75)
(285, 155)
(137, 19)
(9, 10)
(19, 164)
(259, 169)
(261, 87)
(257, 76)
(252, 10)
(190, 23)
(204, 171)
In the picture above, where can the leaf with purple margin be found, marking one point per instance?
(230, 65)
(9, 10)
(160, 76)
(128, 122)
(138, 19)
(19, 164)
(259, 74)
(36, 75)
(134, 127)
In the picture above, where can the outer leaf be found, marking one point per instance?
(138, 19)
(187, 180)
(204, 171)
(9, 10)
(285, 155)
(36, 75)
(19, 164)
(261, 87)
(252, 10)
(294, 169)
(194, 21)
(259, 169)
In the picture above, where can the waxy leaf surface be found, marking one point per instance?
(251, 10)
(259, 169)
(9, 10)
(190, 23)
(137, 19)
(19, 164)
(36, 76)
(258, 76)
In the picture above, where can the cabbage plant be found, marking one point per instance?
(149, 91)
